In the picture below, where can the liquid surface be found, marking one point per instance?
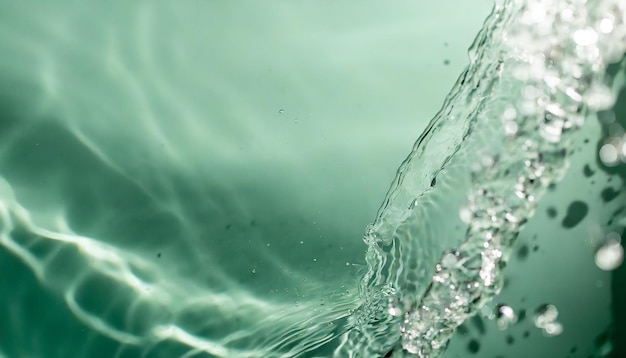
(151, 206)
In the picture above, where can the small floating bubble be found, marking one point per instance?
(585, 37)
(487, 161)
(606, 25)
(546, 314)
(610, 256)
(553, 329)
(609, 155)
(449, 260)
(466, 215)
(530, 92)
(510, 128)
(394, 311)
(600, 97)
(505, 316)
(573, 94)
(509, 114)
(545, 319)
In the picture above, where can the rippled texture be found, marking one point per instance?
(502, 138)
(177, 179)
(151, 206)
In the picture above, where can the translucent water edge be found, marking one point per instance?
(537, 70)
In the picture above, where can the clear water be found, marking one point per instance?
(167, 189)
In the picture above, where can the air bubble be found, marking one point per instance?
(509, 114)
(600, 97)
(606, 25)
(505, 316)
(530, 92)
(510, 128)
(394, 311)
(609, 155)
(585, 37)
(545, 319)
(466, 215)
(553, 329)
(610, 256)
(449, 260)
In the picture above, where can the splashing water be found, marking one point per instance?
(503, 136)
(435, 252)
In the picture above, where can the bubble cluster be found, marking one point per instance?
(546, 320)
(538, 68)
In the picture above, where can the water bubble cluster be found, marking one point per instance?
(546, 320)
(537, 69)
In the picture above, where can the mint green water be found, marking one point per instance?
(194, 179)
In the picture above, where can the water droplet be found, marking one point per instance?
(487, 161)
(466, 215)
(530, 92)
(505, 316)
(600, 97)
(606, 25)
(585, 37)
(545, 319)
(553, 329)
(449, 260)
(609, 155)
(394, 311)
(610, 256)
(510, 128)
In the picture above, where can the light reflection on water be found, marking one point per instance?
(193, 175)
(196, 171)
